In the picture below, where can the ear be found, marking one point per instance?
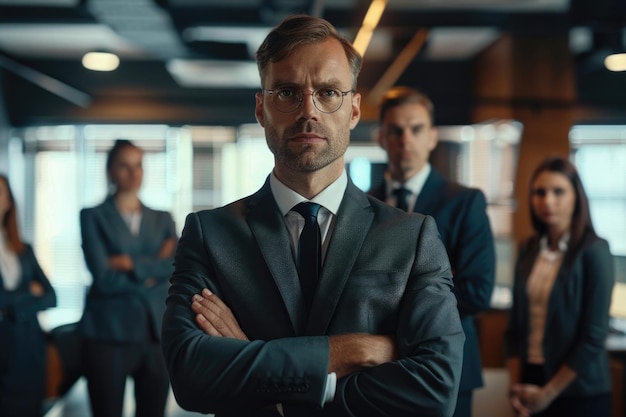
(434, 137)
(355, 114)
(258, 109)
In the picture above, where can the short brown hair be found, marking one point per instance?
(400, 95)
(299, 30)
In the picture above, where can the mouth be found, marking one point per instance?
(306, 138)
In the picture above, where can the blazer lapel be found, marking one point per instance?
(428, 199)
(352, 224)
(270, 232)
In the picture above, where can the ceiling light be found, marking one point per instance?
(372, 17)
(100, 61)
(615, 62)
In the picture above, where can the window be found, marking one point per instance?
(599, 152)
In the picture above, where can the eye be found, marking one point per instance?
(559, 191)
(539, 192)
(416, 129)
(286, 92)
(328, 93)
(392, 131)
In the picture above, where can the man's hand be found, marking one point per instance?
(214, 317)
(355, 351)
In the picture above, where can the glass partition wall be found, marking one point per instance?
(56, 171)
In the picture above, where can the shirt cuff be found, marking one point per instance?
(331, 388)
(329, 392)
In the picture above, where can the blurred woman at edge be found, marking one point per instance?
(24, 291)
(129, 251)
(564, 276)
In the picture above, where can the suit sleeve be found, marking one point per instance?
(213, 374)
(21, 304)
(424, 380)
(473, 258)
(598, 280)
(105, 280)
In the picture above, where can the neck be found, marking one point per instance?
(554, 237)
(127, 201)
(400, 175)
(310, 184)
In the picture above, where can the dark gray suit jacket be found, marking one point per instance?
(461, 216)
(385, 272)
(119, 306)
(577, 322)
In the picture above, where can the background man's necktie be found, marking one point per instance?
(309, 250)
(402, 198)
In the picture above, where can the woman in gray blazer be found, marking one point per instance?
(24, 291)
(128, 249)
(558, 324)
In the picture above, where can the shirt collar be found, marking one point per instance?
(413, 184)
(329, 198)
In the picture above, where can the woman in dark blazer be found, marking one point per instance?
(24, 291)
(128, 249)
(564, 276)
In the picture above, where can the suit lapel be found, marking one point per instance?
(352, 224)
(270, 232)
(429, 197)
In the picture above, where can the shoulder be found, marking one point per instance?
(595, 245)
(462, 192)
(156, 213)
(236, 209)
(98, 208)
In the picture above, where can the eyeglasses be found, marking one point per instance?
(289, 99)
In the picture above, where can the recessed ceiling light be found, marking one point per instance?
(615, 62)
(100, 61)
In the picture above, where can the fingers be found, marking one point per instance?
(516, 399)
(36, 289)
(214, 317)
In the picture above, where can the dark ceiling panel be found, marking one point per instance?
(143, 90)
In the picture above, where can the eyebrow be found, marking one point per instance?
(332, 82)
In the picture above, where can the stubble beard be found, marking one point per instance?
(305, 157)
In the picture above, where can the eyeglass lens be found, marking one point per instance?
(326, 100)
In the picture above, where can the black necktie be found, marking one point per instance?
(402, 197)
(309, 250)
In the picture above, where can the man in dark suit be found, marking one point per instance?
(375, 332)
(408, 136)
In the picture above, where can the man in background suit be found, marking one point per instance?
(408, 136)
(381, 334)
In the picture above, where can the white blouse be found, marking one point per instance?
(10, 268)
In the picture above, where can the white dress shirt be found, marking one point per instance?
(413, 184)
(329, 199)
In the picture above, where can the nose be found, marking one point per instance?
(405, 135)
(307, 105)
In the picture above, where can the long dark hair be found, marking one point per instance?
(581, 224)
(9, 222)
